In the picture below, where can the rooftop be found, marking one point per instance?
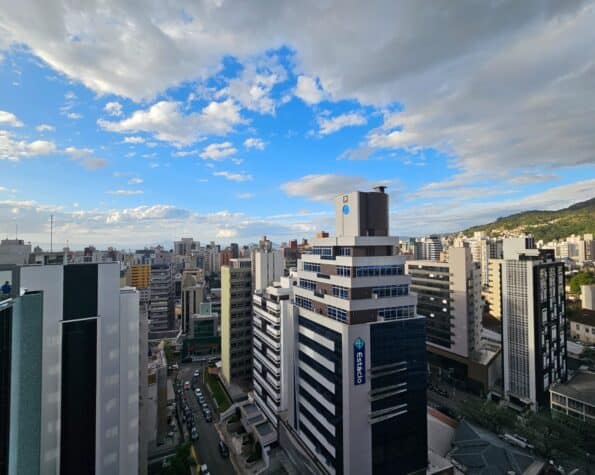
(581, 387)
(586, 317)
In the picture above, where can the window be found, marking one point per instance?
(336, 313)
(343, 251)
(307, 284)
(396, 313)
(578, 327)
(303, 302)
(341, 292)
(311, 267)
(322, 251)
(374, 271)
(344, 271)
(391, 291)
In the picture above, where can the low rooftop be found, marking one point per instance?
(581, 387)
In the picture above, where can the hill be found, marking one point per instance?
(544, 225)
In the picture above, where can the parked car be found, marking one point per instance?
(196, 373)
(197, 392)
(204, 407)
(201, 399)
(223, 450)
(208, 416)
(187, 385)
(194, 433)
(204, 470)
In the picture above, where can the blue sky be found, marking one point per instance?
(137, 126)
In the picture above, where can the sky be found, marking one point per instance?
(137, 122)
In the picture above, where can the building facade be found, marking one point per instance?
(533, 326)
(360, 370)
(236, 322)
(74, 382)
(161, 303)
(273, 347)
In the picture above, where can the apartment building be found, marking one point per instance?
(161, 303)
(236, 322)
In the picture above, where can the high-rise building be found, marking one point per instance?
(361, 358)
(428, 248)
(533, 324)
(449, 296)
(74, 372)
(192, 297)
(161, 303)
(268, 266)
(140, 276)
(185, 246)
(273, 350)
(236, 322)
(291, 254)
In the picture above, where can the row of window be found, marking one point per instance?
(303, 302)
(396, 313)
(311, 267)
(374, 271)
(322, 251)
(307, 284)
(391, 291)
(336, 313)
(341, 292)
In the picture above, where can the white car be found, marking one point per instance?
(204, 470)
(197, 392)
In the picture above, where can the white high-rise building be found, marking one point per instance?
(268, 266)
(74, 372)
(273, 347)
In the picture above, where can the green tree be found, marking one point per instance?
(581, 278)
(179, 464)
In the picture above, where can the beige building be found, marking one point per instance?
(576, 397)
(582, 327)
(493, 295)
(236, 321)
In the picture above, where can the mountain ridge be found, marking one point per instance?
(578, 218)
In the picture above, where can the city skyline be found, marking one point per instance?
(226, 123)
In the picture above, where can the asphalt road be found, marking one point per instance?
(207, 444)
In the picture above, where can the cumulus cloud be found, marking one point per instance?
(254, 142)
(14, 150)
(8, 118)
(113, 108)
(45, 128)
(134, 139)
(326, 187)
(166, 121)
(238, 177)
(330, 125)
(308, 90)
(218, 151)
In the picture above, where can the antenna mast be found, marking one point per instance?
(51, 233)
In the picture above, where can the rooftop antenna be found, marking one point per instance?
(51, 233)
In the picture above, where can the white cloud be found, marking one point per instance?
(218, 151)
(135, 181)
(245, 196)
(45, 128)
(165, 121)
(185, 153)
(85, 157)
(327, 187)
(239, 177)
(15, 150)
(254, 142)
(8, 118)
(134, 139)
(334, 124)
(74, 115)
(125, 192)
(113, 108)
(308, 90)
(531, 178)
(226, 233)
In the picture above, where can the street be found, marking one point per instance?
(206, 446)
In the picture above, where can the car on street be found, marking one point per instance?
(204, 470)
(197, 392)
(223, 450)
(196, 373)
(204, 407)
(201, 399)
(208, 416)
(187, 385)
(194, 433)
